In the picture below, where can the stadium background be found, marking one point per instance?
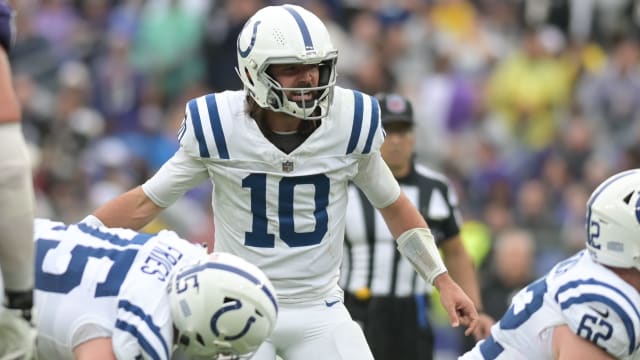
(525, 104)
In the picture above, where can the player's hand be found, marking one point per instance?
(459, 306)
(485, 322)
(17, 336)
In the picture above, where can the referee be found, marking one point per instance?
(382, 291)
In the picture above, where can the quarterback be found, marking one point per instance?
(280, 155)
(587, 306)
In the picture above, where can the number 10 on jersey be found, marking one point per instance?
(259, 236)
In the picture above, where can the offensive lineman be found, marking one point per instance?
(107, 293)
(587, 306)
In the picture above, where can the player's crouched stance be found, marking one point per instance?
(106, 293)
(587, 306)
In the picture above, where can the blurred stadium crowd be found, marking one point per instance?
(525, 104)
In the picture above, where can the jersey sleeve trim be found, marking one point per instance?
(586, 297)
(114, 239)
(197, 128)
(216, 126)
(133, 330)
(359, 122)
(205, 118)
(356, 127)
(375, 122)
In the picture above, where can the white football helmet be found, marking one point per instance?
(613, 221)
(221, 305)
(286, 34)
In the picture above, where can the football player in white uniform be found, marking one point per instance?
(17, 202)
(588, 306)
(112, 293)
(280, 155)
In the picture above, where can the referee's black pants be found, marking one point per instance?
(396, 328)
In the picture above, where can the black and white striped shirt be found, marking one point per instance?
(371, 259)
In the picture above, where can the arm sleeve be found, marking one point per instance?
(174, 178)
(375, 179)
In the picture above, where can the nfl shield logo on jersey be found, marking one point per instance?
(287, 166)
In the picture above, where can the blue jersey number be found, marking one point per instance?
(78, 258)
(594, 329)
(259, 237)
(519, 312)
(594, 234)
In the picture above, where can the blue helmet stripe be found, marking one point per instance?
(306, 37)
(216, 126)
(356, 127)
(595, 195)
(609, 182)
(197, 128)
(235, 270)
(375, 121)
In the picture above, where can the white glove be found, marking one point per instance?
(17, 336)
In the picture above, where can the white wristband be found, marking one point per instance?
(419, 247)
(93, 221)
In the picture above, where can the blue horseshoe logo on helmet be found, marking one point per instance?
(235, 305)
(244, 53)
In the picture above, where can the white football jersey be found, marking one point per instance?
(283, 212)
(92, 282)
(593, 301)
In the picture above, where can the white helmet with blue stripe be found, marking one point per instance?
(286, 34)
(613, 221)
(221, 305)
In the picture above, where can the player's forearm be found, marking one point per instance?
(402, 216)
(414, 239)
(133, 209)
